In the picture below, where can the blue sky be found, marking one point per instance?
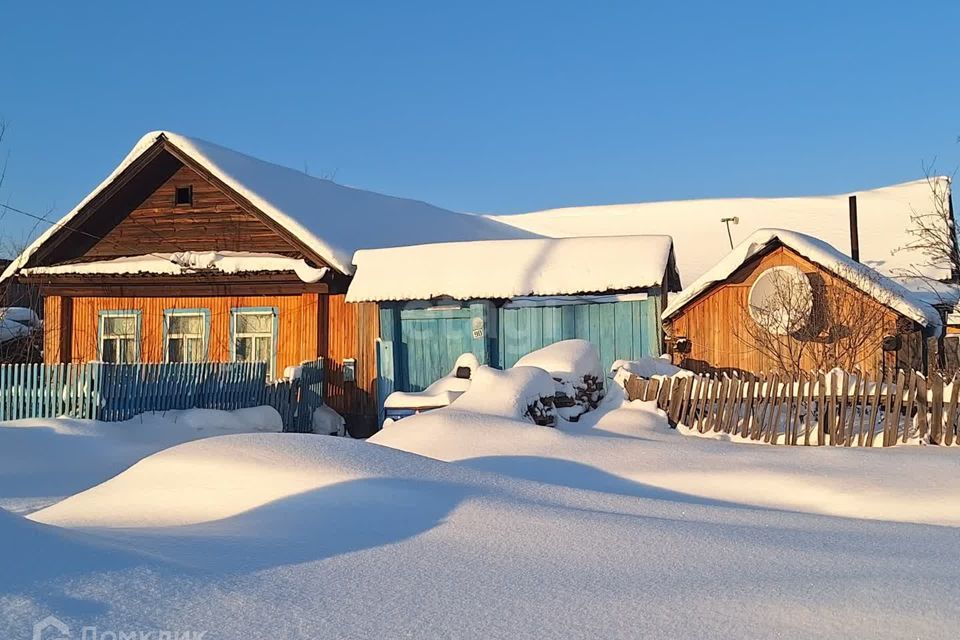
(492, 106)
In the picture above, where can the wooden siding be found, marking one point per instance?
(296, 330)
(352, 331)
(214, 222)
(710, 323)
(57, 314)
(620, 330)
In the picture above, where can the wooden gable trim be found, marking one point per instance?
(749, 264)
(48, 249)
(246, 205)
(76, 224)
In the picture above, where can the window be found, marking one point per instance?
(119, 336)
(254, 336)
(184, 196)
(186, 333)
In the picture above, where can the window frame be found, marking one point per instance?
(205, 336)
(120, 313)
(176, 194)
(275, 313)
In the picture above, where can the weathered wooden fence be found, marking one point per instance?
(117, 392)
(835, 408)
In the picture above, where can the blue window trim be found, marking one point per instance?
(167, 313)
(117, 313)
(234, 311)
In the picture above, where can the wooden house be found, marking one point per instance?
(783, 299)
(503, 299)
(190, 251)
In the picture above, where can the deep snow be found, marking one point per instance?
(44, 460)
(615, 527)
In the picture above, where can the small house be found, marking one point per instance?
(783, 300)
(190, 251)
(503, 299)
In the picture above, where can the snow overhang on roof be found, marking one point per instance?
(511, 268)
(188, 262)
(331, 219)
(873, 283)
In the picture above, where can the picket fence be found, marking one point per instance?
(117, 392)
(835, 408)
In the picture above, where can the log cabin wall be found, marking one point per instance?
(710, 323)
(212, 222)
(297, 325)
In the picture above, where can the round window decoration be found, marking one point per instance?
(781, 300)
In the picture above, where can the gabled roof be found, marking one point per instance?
(332, 219)
(700, 238)
(872, 283)
(512, 268)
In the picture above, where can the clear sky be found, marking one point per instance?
(488, 106)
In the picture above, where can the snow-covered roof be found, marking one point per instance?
(700, 238)
(510, 268)
(873, 283)
(333, 219)
(188, 262)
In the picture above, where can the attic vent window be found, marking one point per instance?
(184, 196)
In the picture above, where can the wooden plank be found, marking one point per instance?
(949, 431)
(923, 406)
(908, 411)
(773, 422)
(690, 400)
(756, 423)
(936, 409)
(800, 394)
(705, 405)
(736, 407)
(894, 391)
(772, 393)
(843, 401)
(821, 408)
(853, 410)
(808, 416)
(748, 399)
(870, 432)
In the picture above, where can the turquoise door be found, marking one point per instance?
(431, 340)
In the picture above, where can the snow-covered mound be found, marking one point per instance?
(42, 460)
(217, 478)
(442, 392)
(575, 365)
(518, 392)
(558, 533)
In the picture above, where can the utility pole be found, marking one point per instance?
(727, 221)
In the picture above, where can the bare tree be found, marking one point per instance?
(932, 230)
(817, 323)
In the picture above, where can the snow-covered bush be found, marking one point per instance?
(520, 392)
(575, 367)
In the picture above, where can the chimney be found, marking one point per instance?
(854, 230)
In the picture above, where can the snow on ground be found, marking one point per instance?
(43, 460)
(615, 527)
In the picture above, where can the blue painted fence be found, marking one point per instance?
(117, 392)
